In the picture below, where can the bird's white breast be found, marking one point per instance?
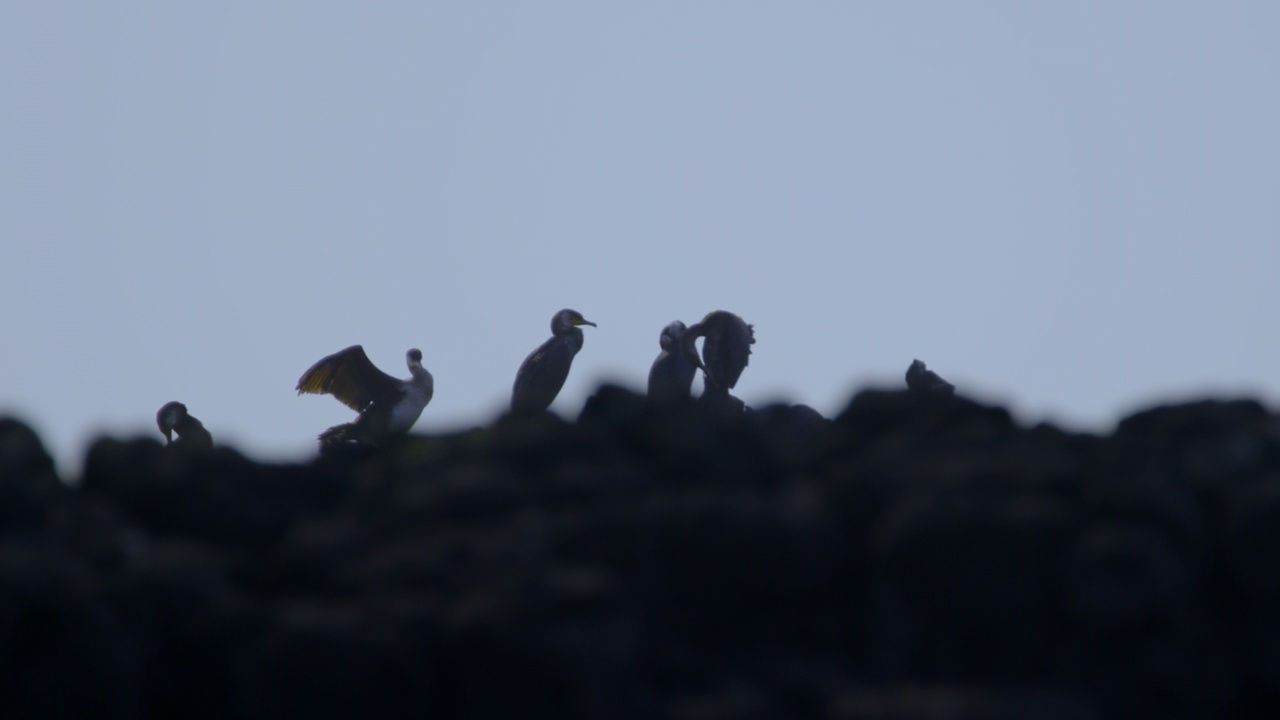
(406, 412)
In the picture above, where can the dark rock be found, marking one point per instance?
(64, 652)
(919, 556)
(29, 485)
(940, 702)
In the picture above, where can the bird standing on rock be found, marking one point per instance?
(726, 350)
(387, 405)
(671, 373)
(923, 380)
(174, 418)
(543, 373)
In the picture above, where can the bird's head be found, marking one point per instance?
(671, 335)
(566, 319)
(171, 413)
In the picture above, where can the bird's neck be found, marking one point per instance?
(421, 377)
(574, 335)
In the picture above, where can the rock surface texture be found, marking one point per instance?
(919, 557)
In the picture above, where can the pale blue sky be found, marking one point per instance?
(1073, 208)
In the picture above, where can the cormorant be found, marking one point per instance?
(543, 373)
(174, 418)
(387, 405)
(671, 374)
(923, 380)
(725, 351)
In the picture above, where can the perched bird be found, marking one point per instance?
(543, 373)
(923, 380)
(725, 351)
(671, 374)
(174, 418)
(387, 405)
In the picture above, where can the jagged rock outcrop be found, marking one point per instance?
(918, 556)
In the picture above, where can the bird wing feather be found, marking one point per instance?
(542, 375)
(349, 376)
(730, 346)
(742, 337)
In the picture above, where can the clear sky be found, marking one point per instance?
(1072, 208)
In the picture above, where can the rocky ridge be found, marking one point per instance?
(917, 557)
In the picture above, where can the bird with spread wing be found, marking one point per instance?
(387, 405)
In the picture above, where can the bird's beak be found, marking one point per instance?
(584, 321)
(168, 435)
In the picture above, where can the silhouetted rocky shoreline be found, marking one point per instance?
(919, 557)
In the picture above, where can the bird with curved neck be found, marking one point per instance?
(174, 418)
(544, 371)
(671, 374)
(726, 349)
(387, 405)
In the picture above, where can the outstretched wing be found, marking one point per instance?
(351, 377)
